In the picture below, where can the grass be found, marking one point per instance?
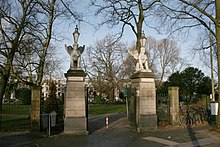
(15, 117)
(93, 109)
(15, 109)
(16, 124)
(10, 119)
(106, 108)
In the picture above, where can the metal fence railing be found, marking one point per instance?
(163, 113)
(15, 117)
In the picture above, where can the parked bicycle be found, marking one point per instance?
(206, 115)
(190, 117)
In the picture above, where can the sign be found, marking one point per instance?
(214, 108)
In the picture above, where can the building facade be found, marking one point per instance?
(60, 87)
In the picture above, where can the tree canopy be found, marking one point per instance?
(190, 81)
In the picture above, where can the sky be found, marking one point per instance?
(88, 36)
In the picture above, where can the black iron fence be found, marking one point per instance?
(131, 99)
(15, 117)
(53, 122)
(163, 111)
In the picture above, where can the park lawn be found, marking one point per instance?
(16, 124)
(15, 109)
(106, 108)
(93, 109)
(15, 117)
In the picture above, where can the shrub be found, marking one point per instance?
(24, 94)
(51, 104)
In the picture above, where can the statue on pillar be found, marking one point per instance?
(75, 51)
(142, 60)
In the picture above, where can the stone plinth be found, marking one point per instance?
(75, 121)
(146, 116)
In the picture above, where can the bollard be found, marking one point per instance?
(106, 120)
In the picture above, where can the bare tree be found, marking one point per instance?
(178, 65)
(106, 61)
(125, 13)
(129, 67)
(13, 20)
(152, 53)
(53, 63)
(26, 62)
(168, 52)
(26, 28)
(201, 50)
(188, 14)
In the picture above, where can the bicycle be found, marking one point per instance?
(189, 118)
(205, 115)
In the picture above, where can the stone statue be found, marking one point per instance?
(142, 62)
(75, 51)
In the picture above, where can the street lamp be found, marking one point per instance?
(143, 39)
(76, 35)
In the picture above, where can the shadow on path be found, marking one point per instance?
(18, 139)
(193, 137)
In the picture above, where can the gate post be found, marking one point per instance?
(174, 104)
(35, 108)
(75, 121)
(146, 116)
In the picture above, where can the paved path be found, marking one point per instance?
(119, 134)
(98, 122)
(183, 137)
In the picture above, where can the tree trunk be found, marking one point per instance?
(5, 76)
(161, 78)
(139, 25)
(2, 88)
(217, 27)
(2, 91)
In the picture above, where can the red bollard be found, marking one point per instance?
(106, 120)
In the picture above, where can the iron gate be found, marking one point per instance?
(15, 117)
(163, 109)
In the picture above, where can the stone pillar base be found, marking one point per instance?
(147, 121)
(75, 125)
(146, 117)
(75, 121)
(35, 108)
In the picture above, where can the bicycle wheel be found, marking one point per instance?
(185, 121)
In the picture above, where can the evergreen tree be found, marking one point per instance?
(190, 81)
(51, 103)
(24, 94)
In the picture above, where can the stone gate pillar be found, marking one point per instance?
(146, 116)
(35, 108)
(174, 104)
(75, 121)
